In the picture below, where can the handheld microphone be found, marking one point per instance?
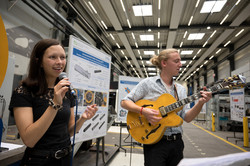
(63, 75)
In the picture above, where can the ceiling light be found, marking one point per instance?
(181, 44)
(183, 62)
(141, 58)
(196, 36)
(133, 35)
(218, 51)
(92, 7)
(149, 52)
(237, 2)
(190, 20)
(142, 10)
(118, 45)
(148, 62)
(205, 62)
(159, 21)
(147, 37)
(239, 33)
(136, 45)
(208, 27)
(197, 3)
(227, 43)
(212, 6)
(149, 30)
(159, 4)
(159, 35)
(126, 57)
(204, 44)
(151, 73)
(187, 52)
(104, 25)
(122, 52)
(199, 51)
(151, 68)
(128, 23)
(112, 36)
(211, 57)
(185, 34)
(138, 51)
(224, 19)
(213, 33)
(123, 6)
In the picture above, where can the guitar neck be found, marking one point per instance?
(165, 110)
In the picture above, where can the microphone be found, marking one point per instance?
(63, 75)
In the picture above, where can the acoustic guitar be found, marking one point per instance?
(144, 132)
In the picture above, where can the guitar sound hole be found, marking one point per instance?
(149, 124)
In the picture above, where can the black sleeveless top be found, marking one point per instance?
(57, 136)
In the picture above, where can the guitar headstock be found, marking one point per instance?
(234, 82)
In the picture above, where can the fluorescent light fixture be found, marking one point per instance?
(118, 45)
(227, 43)
(199, 51)
(149, 52)
(205, 62)
(158, 44)
(239, 33)
(224, 19)
(211, 57)
(197, 3)
(183, 62)
(187, 52)
(194, 57)
(92, 7)
(190, 20)
(213, 33)
(159, 21)
(122, 6)
(185, 34)
(112, 36)
(122, 52)
(181, 44)
(128, 23)
(159, 35)
(152, 74)
(208, 27)
(218, 51)
(147, 37)
(204, 44)
(159, 4)
(141, 58)
(212, 6)
(152, 69)
(133, 35)
(195, 36)
(237, 2)
(148, 62)
(142, 10)
(138, 51)
(104, 25)
(126, 57)
(136, 45)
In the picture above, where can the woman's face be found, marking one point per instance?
(54, 61)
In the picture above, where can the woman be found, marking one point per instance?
(43, 108)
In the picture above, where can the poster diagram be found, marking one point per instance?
(89, 72)
(125, 85)
(237, 104)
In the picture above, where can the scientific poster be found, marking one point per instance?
(89, 73)
(125, 85)
(237, 104)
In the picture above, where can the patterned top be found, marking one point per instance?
(57, 136)
(151, 88)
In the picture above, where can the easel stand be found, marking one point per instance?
(120, 140)
(234, 131)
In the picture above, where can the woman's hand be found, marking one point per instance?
(60, 89)
(89, 112)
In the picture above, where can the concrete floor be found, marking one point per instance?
(200, 143)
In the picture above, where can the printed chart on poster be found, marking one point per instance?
(89, 72)
(237, 104)
(125, 85)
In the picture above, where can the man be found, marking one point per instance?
(169, 150)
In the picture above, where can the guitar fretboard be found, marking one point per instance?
(190, 99)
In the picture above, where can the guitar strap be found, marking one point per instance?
(175, 93)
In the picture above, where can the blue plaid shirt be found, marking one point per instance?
(151, 88)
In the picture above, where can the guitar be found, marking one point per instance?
(144, 132)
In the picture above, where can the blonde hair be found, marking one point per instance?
(164, 55)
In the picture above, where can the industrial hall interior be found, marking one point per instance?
(125, 82)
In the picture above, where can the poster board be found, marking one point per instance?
(237, 104)
(125, 85)
(88, 70)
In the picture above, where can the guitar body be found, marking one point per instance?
(142, 131)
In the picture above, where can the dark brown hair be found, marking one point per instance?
(36, 80)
